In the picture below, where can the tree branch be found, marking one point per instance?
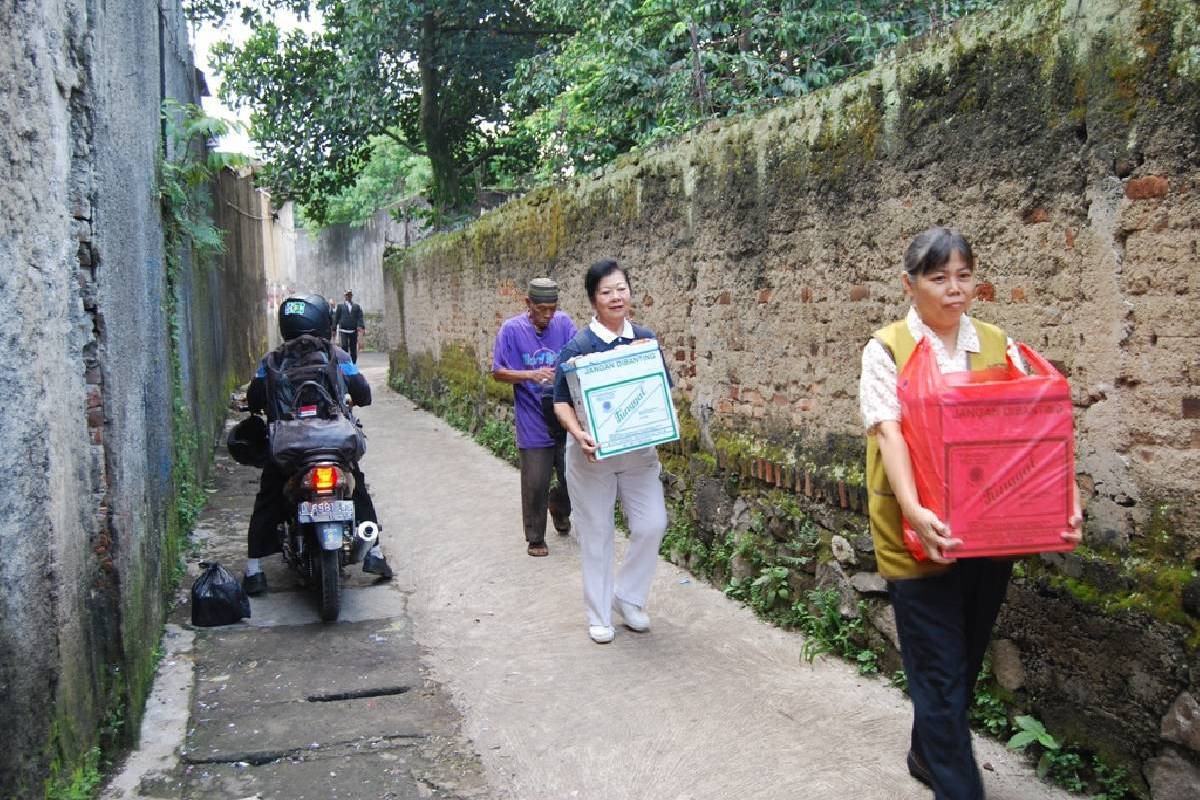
(417, 151)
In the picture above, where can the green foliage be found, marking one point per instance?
(82, 783)
(769, 589)
(638, 71)
(819, 618)
(391, 177)
(1113, 781)
(1065, 765)
(498, 436)
(185, 195)
(427, 75)
(1032, 731)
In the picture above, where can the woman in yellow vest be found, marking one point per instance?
(945, 608)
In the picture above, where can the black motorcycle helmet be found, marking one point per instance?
(248, 442)
(304, 314)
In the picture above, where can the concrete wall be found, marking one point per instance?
(1062, 137)
(87, 444)
(343, 257)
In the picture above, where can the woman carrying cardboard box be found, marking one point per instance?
(595, 485)
(945, 607)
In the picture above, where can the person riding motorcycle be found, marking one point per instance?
(270, 505)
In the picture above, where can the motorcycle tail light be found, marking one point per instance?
(323, 479)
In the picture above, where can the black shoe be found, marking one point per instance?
(563, 526)
(377, 565)
(918, 769)
(255, 584)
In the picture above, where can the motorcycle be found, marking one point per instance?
(320, 536)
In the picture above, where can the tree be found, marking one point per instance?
(638, 71)
(428, 74)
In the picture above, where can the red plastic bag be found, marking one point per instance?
(993, 453)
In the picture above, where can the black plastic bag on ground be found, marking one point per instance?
(218, 598)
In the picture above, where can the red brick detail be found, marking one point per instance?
(764, 296)
(1070, 236)
(680, 355)
(806, 295)
(724, 298)
(94, 397)
(779, 399)
(1035, 215)
(754, 397)
(724, 407)
(859, 292)
(1146, 188)
(734, 392)
(1191, 407)
(1018, 294)
(647, 301)
(985, 291)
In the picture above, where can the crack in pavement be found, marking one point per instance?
(258, 758)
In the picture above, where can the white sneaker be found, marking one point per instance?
(601, 634)
(635, 618)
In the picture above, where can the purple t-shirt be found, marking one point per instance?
(520, 346)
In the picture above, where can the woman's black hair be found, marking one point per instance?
(598, 272)
(933, 247)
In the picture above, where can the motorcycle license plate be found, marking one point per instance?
(326, 511)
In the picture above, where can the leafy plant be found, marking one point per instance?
(497, 435)
(827, 631)
(1031, 731)
(1113, 781)
(769, 589)
(81, 784)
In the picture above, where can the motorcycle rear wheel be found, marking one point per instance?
(331, 594)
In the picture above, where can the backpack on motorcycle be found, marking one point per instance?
(296, 373)
(306, 405)
(218, 598)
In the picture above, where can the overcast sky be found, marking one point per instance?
(203, 37)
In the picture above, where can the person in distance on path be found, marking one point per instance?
(348, 320)
(524, 355)
(595, 485)
(945, 607)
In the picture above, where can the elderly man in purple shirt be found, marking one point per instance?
(525, 354)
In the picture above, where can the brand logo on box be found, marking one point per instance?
(992, 493)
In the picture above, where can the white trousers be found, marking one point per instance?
(594, 489)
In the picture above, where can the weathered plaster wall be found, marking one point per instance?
(87, 443)
(1062, 138)
(343, 257)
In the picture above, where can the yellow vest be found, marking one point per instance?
(893, 558)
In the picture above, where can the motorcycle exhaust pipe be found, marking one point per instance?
(364, 538)
(368, 531)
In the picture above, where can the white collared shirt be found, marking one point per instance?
(608, 336)
(877, 397)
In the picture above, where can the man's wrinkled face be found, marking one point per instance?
(540, 314)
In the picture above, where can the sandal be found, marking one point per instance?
(538, 550)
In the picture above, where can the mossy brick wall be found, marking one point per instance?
(1062, 137)
(88, 513)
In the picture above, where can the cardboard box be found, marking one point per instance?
(623, 398)
(993, 456)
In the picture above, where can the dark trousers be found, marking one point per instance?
(349, 343)
(945, 623)
(537, 465)
(271, 509)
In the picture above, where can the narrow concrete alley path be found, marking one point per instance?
(508, 698)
